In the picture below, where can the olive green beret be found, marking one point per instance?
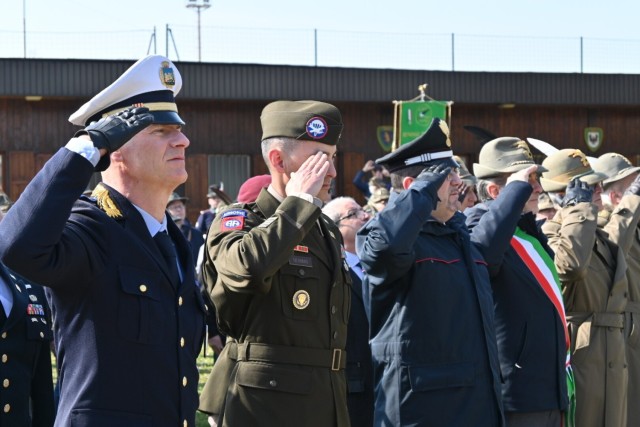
(615, 166)
(504, 155)
(302, 120)
(564, 165)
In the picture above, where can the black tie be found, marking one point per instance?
(165, 244)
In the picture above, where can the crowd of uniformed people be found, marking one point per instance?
(506, 294)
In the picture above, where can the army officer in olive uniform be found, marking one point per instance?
(26, 394)
(280, 284)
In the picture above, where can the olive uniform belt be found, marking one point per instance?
(335, 359)
(603, 319)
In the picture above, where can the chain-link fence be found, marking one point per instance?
(412, 51)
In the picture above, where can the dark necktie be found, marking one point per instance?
(3, 316)
(165, 244)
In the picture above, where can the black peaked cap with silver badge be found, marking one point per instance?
(432, 146)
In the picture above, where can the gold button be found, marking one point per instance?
(179, 300)
(4, 358)
(41, 334)
(5, 383)
(181, 342)
(185, 424)
(4, 335)
(7, 408)
(143, 288)
(184, 381)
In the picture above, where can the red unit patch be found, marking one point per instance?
(232, 223)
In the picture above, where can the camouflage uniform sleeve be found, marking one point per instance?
(247, 249)
(572, 234)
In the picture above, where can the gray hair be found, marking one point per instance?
(481, 187)
(285, 144)
(331, 208)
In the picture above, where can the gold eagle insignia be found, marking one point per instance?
(105, 202)
(583, 158)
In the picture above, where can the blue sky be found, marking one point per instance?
(70, 24)
(565, 18)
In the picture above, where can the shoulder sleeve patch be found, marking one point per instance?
(232, 222)
(235, 213)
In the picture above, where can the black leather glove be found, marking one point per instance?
(463, 192)
(114, 131)
(634, 188)
(434, 175)
(577, 192)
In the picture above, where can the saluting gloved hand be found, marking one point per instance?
(112, 132)
(462, 192)
(577, 192)
(634, 188)
(434, 175)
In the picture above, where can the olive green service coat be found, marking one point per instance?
(623, 229)
(285, 363)
(595, 290)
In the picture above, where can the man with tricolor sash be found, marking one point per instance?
(592, 270)
(531, 328)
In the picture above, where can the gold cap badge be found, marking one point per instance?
(167, 77)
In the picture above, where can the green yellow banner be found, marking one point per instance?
(412, 118)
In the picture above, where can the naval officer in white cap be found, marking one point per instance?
(129, 320)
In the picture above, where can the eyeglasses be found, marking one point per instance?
(358, 213)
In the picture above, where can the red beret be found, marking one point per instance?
(250, 189)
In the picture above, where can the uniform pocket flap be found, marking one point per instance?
(432, 377)
(277, 378)
(135, 281)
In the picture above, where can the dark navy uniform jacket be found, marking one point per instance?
(359, 369)
(530, 333)
(25, 358)
(433, 343)
(127, 339)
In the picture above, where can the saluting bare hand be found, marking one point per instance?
(522, 175)
(310, 176)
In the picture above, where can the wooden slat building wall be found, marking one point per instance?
(221, 104)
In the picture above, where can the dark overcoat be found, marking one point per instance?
(432, 324)
(127, 338)
(530, 332)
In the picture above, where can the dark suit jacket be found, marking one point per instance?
(127, 339)
(359, 371)
(25, 371)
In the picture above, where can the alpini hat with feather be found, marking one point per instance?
(504, 155)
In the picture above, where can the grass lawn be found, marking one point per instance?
(204, 366)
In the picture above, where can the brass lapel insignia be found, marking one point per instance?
(105, 202)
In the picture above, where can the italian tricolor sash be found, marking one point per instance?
(543, 269)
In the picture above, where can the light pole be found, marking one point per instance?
(198, 5)
(24, 27)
